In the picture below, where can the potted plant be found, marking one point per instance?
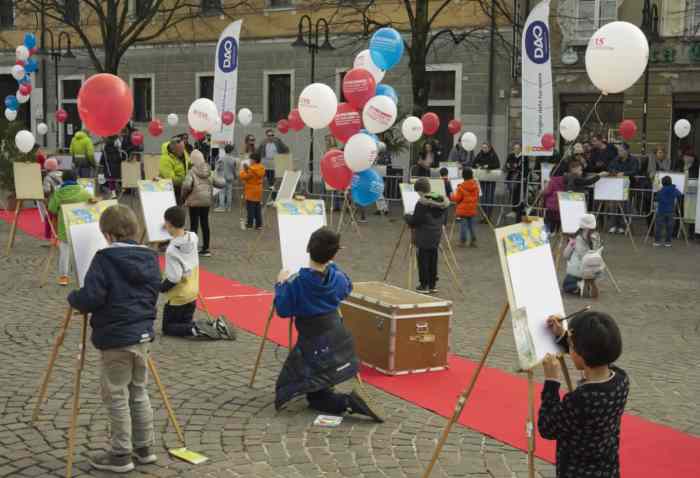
(8, 155)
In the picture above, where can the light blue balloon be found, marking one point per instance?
(11, 102)
(371, 135)
(386, 48)
(29, 40)
(386, 90)
(31, 66)
(25, 80)
(367, 187)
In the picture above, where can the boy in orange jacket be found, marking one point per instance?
(252, 177)
(467, 199)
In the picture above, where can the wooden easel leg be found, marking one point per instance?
(412, 262)
(52, 360)
(450, 249)
(559, 251)
(453, 273)
(13, 229)
(651, 226)
(341, 219)
(565, 372)
(485, 216)
(166, 400)
(681, 225)
(262, 345)
(612, 279)
(393, 254)
(76, 397)
(461, 402)
(43, 279)
(628, 227)
(531, 424)
(353, 219)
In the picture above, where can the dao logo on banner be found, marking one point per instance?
(537, 42)
(228, 55)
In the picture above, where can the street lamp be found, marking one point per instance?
(650, 27)
(313, 46)
(56, 55)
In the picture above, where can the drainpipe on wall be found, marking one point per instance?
(492, 55)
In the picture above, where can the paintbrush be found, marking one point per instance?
(571, 316)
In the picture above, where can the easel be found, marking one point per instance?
(80, 363)
(13, 228)
(264, 339)
(681, 227)
(44, 277)
(347, 206)
(627, 220)
(453, 226)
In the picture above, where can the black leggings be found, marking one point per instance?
(328, 401)
(200, 215)
(427, 267)
(177, 319)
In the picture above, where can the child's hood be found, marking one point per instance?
(434, 200)
(185, 244)
(201, 170)
(137, 264)
(323, 288)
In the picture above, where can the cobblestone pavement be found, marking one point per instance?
(238, 428)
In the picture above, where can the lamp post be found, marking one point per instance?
(56, 54)
(650, 27)
(311, 43)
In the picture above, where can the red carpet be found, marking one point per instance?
(498, 406)
(29, 221)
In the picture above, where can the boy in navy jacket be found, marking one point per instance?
(324, 355)
(120, 292)
(666, 197)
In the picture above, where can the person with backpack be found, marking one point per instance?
(583, 260)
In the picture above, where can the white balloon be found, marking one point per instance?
(360, 152)
(379, 114)
(412, 129)
(24, 140)
(317, 105)
(468, 141)
(173, 119)
(11, 115)
(22, 53)
(616, 56)
(569, 128)
(42, 128)
(203, 115)
(18, 72)
(22, 98)
(681, 128)
(364, 60)
(245, 116)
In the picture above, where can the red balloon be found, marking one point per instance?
(548, 141)
(335, 171)
(431, 123)
(137, 138)
(283, 126)
(61, 115)
(40, 158)
(197, 135)
(454, 126)
(155, 128)
(347, 122)
(295, 121)
(32, 51)
(227, 117)
(105, 104)
(25, 89)
(628, 129)
(358, 87)
(20, 63)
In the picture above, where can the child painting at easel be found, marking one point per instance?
(586, 422)
(52, 181)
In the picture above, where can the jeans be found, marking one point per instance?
(466, 229)
(664, 220)
(327, 401)
(553, 221)
(64, 255)
(619, 219)
(427, 267)
(226, 196)
(570, 285)
(125, 394)
(177, 319)
(254, 214)
(200, 215)
(84, 172)
(489, 195)
(270, 177)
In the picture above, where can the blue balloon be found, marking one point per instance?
(29, 40)
(371, 135)
(31, 66)
(26, 80)
(386, 90)
(11, 102)
(386, 48)
(367, 187)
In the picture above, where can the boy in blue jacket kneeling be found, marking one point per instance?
(324, 355)
(120, 291)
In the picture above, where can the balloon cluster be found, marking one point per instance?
(22, 71)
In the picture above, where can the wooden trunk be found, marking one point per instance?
(398, 331)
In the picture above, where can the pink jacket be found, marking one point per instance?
(555, 185)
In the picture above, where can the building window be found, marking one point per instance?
(279, 4)
(71, 11)
(7, 14)
(341, 95)
(444, 99)
(212, 6)
(442, 85)
(205, 86)
(141, 8)
(593, 14)
(68, 92)
(143, 98)
(680, 18)
(278, 95)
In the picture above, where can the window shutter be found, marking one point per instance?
(673, 18)
(694, 27)
(608, 12)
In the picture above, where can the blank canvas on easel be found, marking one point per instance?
(82, 222)
(131, 174)
(532, 288)
(678, 180)
(28, 183)
(612, 189)
(283, 163)
(151, 166)
(297, 220)
(156, 197)
(572, 207)
(409, 197)
(290, 180)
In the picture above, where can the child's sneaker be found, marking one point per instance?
(63, 280)
(657, 244)
(205, 253)
(115, 463)
(668, 244)
(359, 402)
(225, 329)
(422, 289)
(144, 455)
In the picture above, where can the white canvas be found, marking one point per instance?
(64, 162)
(546, 172)
(678, 180)
(409, 198)
(297, 220)
(156, 197)
(437, 185)
(290, 180)
(610, 189)
(572, 206)
(456, 182)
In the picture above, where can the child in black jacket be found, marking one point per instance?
(120, 292)
(427, 222)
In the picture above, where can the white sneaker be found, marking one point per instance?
(612, 230)
(657, 244)
(270, 203)
(621, 230)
